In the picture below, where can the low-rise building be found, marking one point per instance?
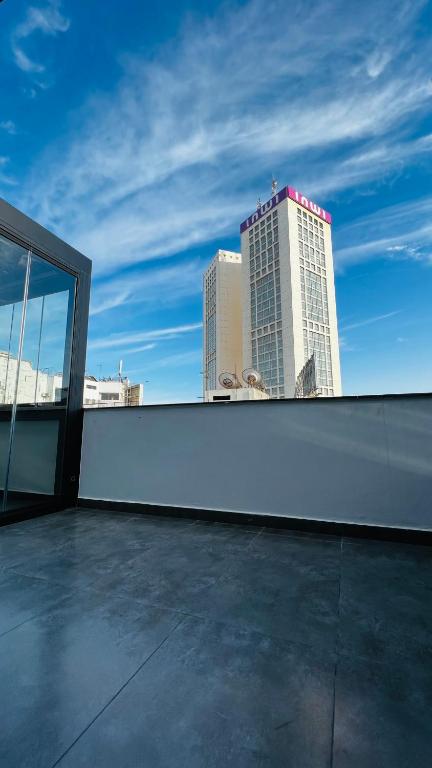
(107, 392)
(235, 394)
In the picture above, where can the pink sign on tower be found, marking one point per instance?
(293, 194)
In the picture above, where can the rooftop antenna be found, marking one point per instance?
(258, 204)
(229, 380)
(253, 378)
(274, 186)
(120, 370)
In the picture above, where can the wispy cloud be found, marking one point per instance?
(345, 345)
(8, 126)
(369, 321)
(398, 231)
(377, 62)
(5, 177)
(126, 339)
(144, 348)
(179, 359)
(140, 178)
(47, 20)
(151, 287)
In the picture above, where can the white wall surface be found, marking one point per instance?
(351, 460)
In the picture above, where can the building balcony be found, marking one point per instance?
(223, 585)
(141, 628)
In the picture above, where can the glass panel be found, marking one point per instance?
(13, 267)
(45, 364)
(43, 383)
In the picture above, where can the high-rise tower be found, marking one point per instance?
(289, 305)
(222, 318)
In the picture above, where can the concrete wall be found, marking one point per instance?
(366, 460)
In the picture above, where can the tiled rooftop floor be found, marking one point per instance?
(136, 642)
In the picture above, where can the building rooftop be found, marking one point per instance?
(132, 640)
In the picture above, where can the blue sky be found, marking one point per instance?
(143, 135)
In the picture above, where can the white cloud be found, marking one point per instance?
(47, 20)
(5, 178)
(345, 345)
(169, 160)
(377, 62)
(398, 231)
(126, 338)
(179, 359)
(8, 126)
(144, 348)
(369, 321)
(151, 287)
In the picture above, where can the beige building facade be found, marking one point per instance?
(289, 304)
(222, 319)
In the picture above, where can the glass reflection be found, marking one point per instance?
(36, 326)
(45, 363)
(13, 268)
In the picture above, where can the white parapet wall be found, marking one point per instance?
(356, 460)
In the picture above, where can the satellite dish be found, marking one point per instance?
(252, 378)
(228, 380)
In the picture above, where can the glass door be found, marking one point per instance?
(14, 266)
(36, 369)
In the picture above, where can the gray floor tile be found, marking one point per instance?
(386, 599)
(382, 714)
(22, 597)
(59, 670)
(215, 696)
(294, 596)
(247, 677)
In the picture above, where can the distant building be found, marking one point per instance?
(289, 307)
(34, 386)
(222, 339)
(44, 387)
(233, 395)
(104, 393)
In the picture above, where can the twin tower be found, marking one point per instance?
(272, 307)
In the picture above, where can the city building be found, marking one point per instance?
(34, 386)
(108, 392)
(289, 306)
(39, 386)
(222, 316)
(134, 601)
(235, 394)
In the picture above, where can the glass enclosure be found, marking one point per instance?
(37, 302)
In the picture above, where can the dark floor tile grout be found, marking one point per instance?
(253, 538)
(199, 617)
(115, 696)
(36, 616)
(45, 580)
(337, 652)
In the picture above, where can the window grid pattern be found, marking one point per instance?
(267, 358)
(210, 329)
(314, 298)
(266, 310)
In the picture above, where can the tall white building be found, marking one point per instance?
(289, 305)
(222, 312)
